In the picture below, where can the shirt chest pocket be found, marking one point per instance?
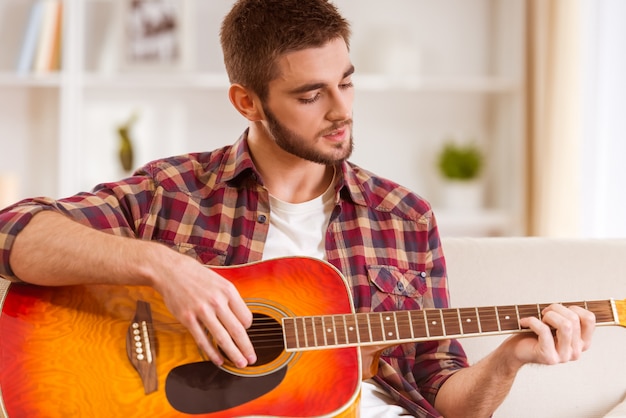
(396, 289)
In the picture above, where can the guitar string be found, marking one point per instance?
(449, 314)
(268, 330)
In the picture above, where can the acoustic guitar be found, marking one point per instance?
(115, 351)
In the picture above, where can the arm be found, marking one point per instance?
(478, 390)
(54, 250)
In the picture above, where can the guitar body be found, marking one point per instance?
(63, 352)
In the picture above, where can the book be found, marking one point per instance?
(31, 39)
(49, 37)
(55, 58)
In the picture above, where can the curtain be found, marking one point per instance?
(604, 143)
(553, 113)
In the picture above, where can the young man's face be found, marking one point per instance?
(308, 112)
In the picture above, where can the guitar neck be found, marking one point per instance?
(396, 327)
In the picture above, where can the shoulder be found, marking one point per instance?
(188, 172)
(382, 194)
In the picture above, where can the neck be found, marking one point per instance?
(286, 176)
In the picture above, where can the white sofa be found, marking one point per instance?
(501, 271)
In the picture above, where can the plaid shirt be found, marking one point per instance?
(214, 207)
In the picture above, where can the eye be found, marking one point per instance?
(347, 85)
(311, 99)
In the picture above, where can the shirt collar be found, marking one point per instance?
(238, 162)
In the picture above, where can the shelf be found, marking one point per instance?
(211, 81)
(9, 79)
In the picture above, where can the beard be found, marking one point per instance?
(296, 145)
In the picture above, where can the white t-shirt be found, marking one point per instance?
(298, 229)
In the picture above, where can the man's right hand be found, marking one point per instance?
(207, 304)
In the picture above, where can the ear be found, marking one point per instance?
(246, 102)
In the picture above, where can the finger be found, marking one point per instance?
(545, 351)
(238, 332)
(238, 306)
(566, 324)
(226, 333)
(587, 325)
(199, 334)
(237, 318)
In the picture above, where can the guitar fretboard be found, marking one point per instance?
(329, 331)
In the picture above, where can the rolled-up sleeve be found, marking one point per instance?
(115, 208)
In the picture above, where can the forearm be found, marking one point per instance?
(54, 250)
(478, 390)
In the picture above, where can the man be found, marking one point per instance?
(285, 187)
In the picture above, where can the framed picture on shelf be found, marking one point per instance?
(156, 35)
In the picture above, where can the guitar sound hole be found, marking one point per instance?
(266, 335)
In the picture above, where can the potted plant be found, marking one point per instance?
(461, 165)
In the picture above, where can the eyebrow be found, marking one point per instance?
(316, 86)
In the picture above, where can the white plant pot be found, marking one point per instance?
(459, 195)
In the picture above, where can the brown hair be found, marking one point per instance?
(256, 33)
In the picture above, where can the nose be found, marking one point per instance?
(341, 105)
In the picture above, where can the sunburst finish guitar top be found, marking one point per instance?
(64, 352)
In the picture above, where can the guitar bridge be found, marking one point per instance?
(141, 346)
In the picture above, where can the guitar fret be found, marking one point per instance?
(411, 325)
(301, 333)
(604, 311)
(487, 317)
(329, 336)
(480, 327)
(376, 327)
(316, 330)
(382, 331)
(469, 318)
(418, 324)
(290, 332)
(395, 321)
(507, 318)
(461, 329)
(340, 335)
(434, 325)
(363, 328)
(450, 319)
(389, 327)
(498, 318)
(404, 325)
(443, 325)
(351, 329)
(385, 332)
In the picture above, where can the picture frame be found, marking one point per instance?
(156, 35)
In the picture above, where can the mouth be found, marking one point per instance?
(337, 133)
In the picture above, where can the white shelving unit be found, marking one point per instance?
(467, 79)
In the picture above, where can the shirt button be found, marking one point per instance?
(400, 287)
(262, 219)
(423, 274)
